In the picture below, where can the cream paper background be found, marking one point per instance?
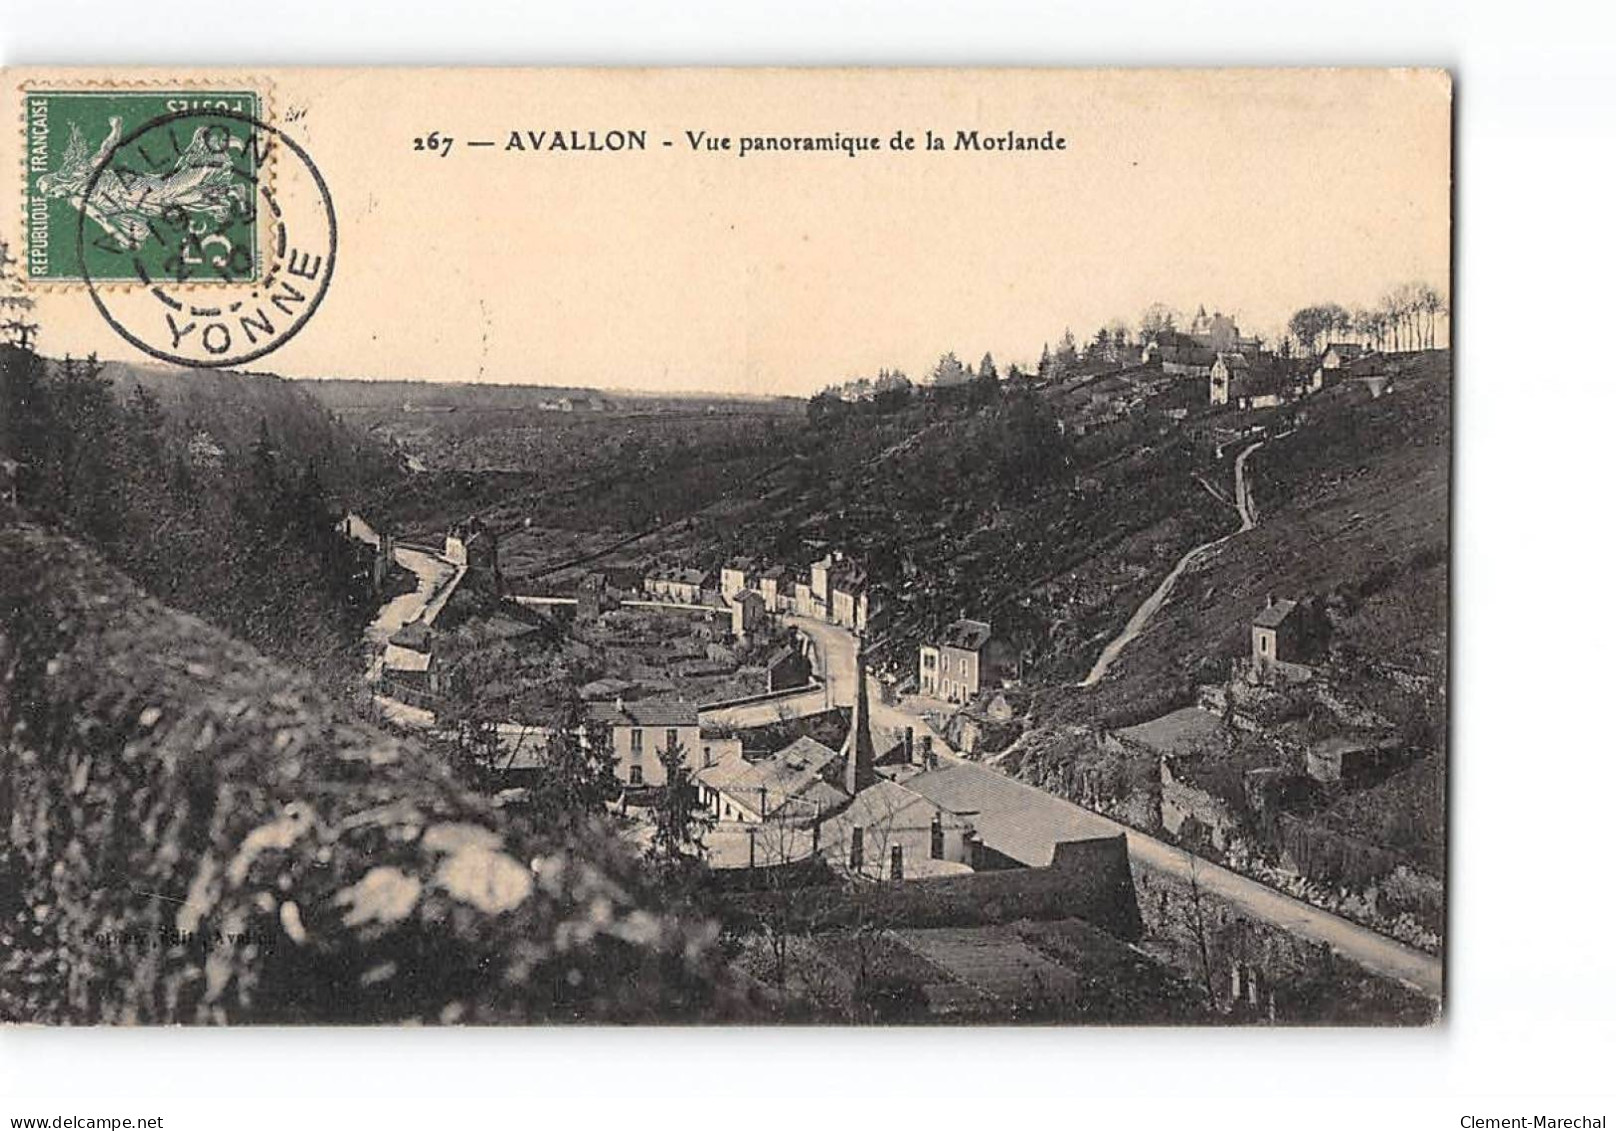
(1254, 192)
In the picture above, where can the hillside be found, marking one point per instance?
(218, 492)
(229, 407)
(1353, 506)
(1353, 513)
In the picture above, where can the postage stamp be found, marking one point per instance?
(173, 204)
(189, 221)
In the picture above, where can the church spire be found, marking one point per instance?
(860, 746)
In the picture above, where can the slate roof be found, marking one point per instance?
(1011, 817)
(789, 773)
(970, 635)
(1271, 616)
(647, 713)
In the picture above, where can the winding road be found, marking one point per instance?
(1033, 809)
(1158, 597)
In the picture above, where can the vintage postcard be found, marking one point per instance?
(744, 546)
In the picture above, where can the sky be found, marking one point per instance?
(1250, 192)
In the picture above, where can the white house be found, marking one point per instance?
(638, 734)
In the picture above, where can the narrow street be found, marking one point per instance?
(435, 582)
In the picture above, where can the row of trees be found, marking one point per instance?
(1408, 316)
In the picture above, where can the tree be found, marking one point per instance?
(827, 410)
(1312, 325)
(1157, 318)
(948, 371)
(985, 385)
(680, 818)
(1068, 361)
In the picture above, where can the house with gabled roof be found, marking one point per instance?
(638, 734)
(964, 658)
(1337, 354)
(789, 785)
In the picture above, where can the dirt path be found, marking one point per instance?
(1158, 597)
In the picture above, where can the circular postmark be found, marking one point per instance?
(231, 261)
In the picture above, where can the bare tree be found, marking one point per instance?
(1195, 920)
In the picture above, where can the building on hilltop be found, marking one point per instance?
(1338, 354)
(1180, 355)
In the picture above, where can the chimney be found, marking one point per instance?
(908, 745)
(897, 862)
(859, 748)
(619, 704)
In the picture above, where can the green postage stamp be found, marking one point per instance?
(141, 185)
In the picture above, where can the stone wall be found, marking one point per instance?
(1088, 879)
(1258, 971)
(195, 834)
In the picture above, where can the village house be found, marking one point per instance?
(673, 584)
(1193, 815)
(890, 832)
(1373, 371)
(963, 659)
(819, 584)
(775, 586)
(638, 734)
(789, 667)
(803, 601)
(1278, 642)
(735, 576)
(850, 598)
(746, 613)
(1225, 370)
(1180, 355)
(790, 785)
(1338, 354)
(1352, 761)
